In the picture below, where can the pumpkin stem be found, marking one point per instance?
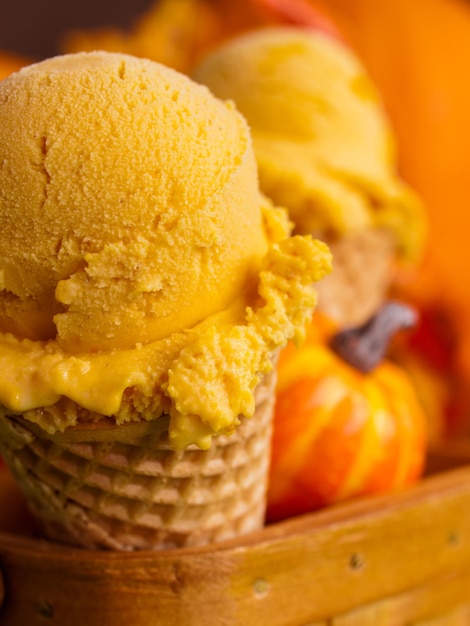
(364, 347)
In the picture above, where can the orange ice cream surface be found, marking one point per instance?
(142, 272)
(323, 143)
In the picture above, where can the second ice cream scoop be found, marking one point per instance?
(323, 142)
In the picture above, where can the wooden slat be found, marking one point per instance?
(378, 614)
(458, 617)
(443, 600)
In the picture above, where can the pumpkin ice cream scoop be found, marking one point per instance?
(325, 151)
(146, 287)
(124, 217)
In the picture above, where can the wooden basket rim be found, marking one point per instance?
(307, 568)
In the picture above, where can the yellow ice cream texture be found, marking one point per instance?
(142, 272)
(323, 142)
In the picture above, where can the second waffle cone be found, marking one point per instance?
(363, 267)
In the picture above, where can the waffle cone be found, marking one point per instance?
(362, 274)
(124, 488)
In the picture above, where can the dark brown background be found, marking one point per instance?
(33, 27)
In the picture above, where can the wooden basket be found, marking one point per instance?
(390, 561)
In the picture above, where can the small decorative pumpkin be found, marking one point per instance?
(340, 432)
